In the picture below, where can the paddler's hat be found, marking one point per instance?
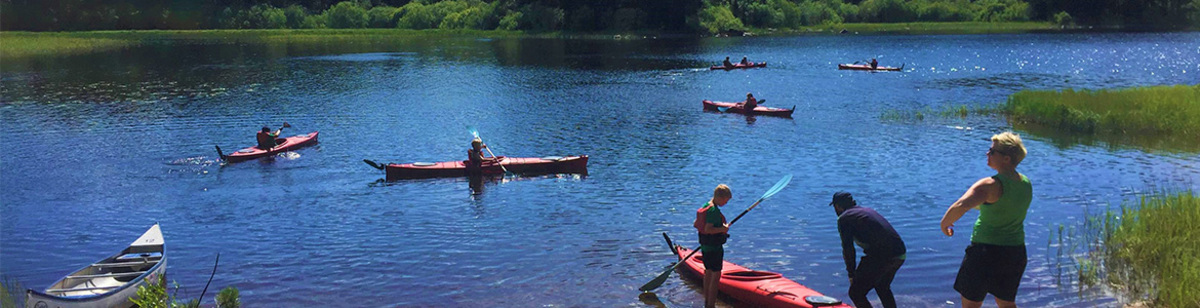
(843, 199)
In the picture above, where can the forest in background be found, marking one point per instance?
(713, 16)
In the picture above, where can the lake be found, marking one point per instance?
(99, 147)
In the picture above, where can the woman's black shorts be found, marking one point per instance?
(991, 269)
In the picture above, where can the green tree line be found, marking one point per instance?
(574, 15)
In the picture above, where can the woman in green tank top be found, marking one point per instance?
(996, 258)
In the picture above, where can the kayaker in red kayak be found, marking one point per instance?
(727, 64)
(744, 61)
(874, 64)
(996, 258)
(713, 231)
(750, 103)
(883, 250)
(266, 139)
(475, 157)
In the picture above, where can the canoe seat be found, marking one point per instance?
(105, 275)
(125, 264)
(423, 164)
(82, 289)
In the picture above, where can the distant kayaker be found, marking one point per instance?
(750, 103)
(874, 63)
(727, 64)
(883, 250)
(266, 139)
(475, 157)
(713, 231)
(744, 61)
(996, 258)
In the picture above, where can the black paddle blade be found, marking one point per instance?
(373, 164)
(657, 282)
(219, 152)
(285, 124)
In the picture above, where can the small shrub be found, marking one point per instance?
(229, 298)
(346, 15)
(717, 19)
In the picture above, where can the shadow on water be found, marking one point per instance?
(1149, 143)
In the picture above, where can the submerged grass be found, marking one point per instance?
(959, 111)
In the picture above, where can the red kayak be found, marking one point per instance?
(757, 288)
(458, 168)
(738, 65)
(867, 67)
(737, 108)
(282, 145)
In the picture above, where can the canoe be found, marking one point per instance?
(737, 108)
(738, 65)
(867, 67)
(282, 145)
(756, 288)
(110, 282)
(519, 165)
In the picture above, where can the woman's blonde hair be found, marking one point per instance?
(722, 191)
(1008, 143)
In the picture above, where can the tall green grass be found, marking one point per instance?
(1146, 251)
(1172, 110)
(1153, 249)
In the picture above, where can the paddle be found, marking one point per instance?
(222, 155)
(374, 164)
(658, 281)
(475, 132)
(724, 109)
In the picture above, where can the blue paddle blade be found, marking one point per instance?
(474, 132)
(778, 186)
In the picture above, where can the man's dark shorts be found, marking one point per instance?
(713, 259)
(991, 269)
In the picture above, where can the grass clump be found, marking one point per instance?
(1145, 251)
(1151, 250)
(9, 289)
(1159, 110)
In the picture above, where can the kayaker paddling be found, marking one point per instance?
(745, 61)
(266, 139)
(750, 103)
(475, 157)
(713, 231)
(726, 63)
(996, 258)
(874, 64)
(883, 250)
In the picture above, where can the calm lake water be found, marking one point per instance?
(97, 148)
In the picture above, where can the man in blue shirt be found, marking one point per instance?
(883, 250)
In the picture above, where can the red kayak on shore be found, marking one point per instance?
(738, 65)
(867, 67)
(282, 145)
(737, 108)
(757, 288)
(458, 168)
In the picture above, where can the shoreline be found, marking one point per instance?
(22, 44)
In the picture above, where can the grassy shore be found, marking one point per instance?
(1159, 110)
(1150, 252)
(27, 44)
(969, 27)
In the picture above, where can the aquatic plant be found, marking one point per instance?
(1171, 110)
